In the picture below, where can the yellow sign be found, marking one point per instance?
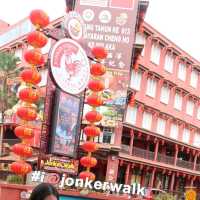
(190, 195)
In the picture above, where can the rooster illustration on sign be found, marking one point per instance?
(72, 63)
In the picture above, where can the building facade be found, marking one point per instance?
(161, 136)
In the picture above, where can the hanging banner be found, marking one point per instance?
(111, 24)
(44, 139)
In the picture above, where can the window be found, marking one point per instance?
(196, 141)
(147, 120)
(141, 39)
(164, 96)
(186, 135)
(108, 136)
(169, 62)
(161, 126)
(136, 78)
(198, 113)
(151, 87)
(174, 131)
(131, 114)
(18, 53)
(44, 74)
(155, 53)
(194, 78)
(178, 101)
(182, 71)
(190, 108)
(47, 47)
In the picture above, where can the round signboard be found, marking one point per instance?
(74, 25)
(69, 66)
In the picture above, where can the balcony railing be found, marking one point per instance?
(142, 153)
(125, 148)
(165, 159)
(184, 164)
(197, 167)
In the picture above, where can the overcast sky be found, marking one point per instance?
(176, 19)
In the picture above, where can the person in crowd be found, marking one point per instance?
(44, 191)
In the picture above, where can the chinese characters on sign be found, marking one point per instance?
(111, 24)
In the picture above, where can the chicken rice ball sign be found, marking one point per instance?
(70, 67)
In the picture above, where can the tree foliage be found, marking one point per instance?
(8, 69)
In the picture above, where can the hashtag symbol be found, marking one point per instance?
(36, 176)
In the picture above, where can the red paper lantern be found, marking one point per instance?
(84, 175)
(89, 146)
(24, 132)
(29, 95)
(99, 52)
(34, 57)
(37, 39)
(27, 113)
(20, 167)
(39, 18)
(30, 76)
(93, 116)
(22, 150)
(96, 85)
(94, 100)
(97, 69)
(87, 161)
(92, 131)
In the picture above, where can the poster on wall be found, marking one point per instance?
(66, 124)
(111, 24)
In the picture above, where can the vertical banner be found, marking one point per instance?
(44, 139)
(111, 24)
(66, 124)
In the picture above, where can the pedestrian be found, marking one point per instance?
(44, 191)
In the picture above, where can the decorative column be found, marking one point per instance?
(131, 142)
(195, 160)
(171, 96)
(159, 88)
(176, 154)
(154, 121)
(118, 133)
(127, 173)
(94, 99)
(156, 141)
(139, 115)
(29, 95)
(172, 182)
(148, 46)
(152, 178)
(144, 82)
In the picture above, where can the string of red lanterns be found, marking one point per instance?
(96, 85)
(31, 77)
